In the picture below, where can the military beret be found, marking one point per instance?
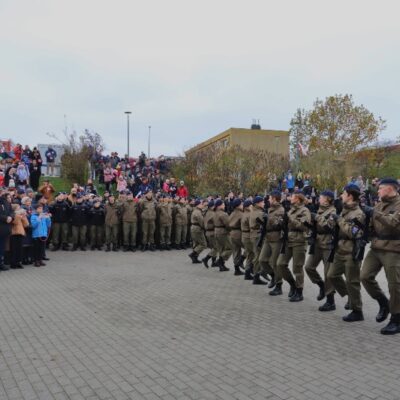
(257, 199)
(218, 203)
(388, 181)
(352, 187)
(299, 192)
(276, 193)
(236, 203)
(247, 203)
(328, 193)
(197, 202)
(211, 203)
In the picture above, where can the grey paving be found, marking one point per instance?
(120, 326)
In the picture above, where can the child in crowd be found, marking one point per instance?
(41, 223)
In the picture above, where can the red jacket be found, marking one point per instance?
(182, 191)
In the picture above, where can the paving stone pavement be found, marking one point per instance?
(150, 326)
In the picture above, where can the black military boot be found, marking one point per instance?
(248, 276)
(321, 294)
(65, 247)
(93, 247)
(133, 249)
(55, 248)
(347, 305)
(257, 280)
(242, 258)
(74, 247)
(99, 247)
(298, 296)
(393, 326)
(125, 249)
(329, 304)
(277, 290)
(222, 267)
(205, 261)
(292, 290)
(168, 247)
(214, 262)
(83, 248)
(114, 247)
(195, 258)
(152, 247)
(354, 316)
(383, 309)
(143, 248)
(108, 247)
(272, 283)
(238, 271)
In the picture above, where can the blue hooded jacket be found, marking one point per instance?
(40, 226)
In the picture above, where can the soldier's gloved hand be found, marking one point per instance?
(313, 216)
(334, 217)
(368, 211)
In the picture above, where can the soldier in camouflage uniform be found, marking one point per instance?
(210, 235)
(385, 252)
(235, 234)
(197, 231)
(344, 261)
(221, 229)
(246, 240)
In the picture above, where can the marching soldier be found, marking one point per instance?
(345, 262)
(256, 221)
(221, 229)
(246, 240)
(210, 235)
(129, 222)
(298, 222)
(147, 208)
(273, 240)
(384, 252)
(235, 234)
(197, 231)
(321, 249)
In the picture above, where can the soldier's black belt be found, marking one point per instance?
(387, 237)
(274, 230)
(235, 229)
(296, 230)
(196, 225)
(210, 230)
(222, 226)
(246, 231)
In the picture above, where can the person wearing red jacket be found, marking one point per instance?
(182, 190)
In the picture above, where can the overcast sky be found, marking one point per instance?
(190, 69)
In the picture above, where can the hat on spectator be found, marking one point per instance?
(29, 190)
(20, 191)
(257, 199)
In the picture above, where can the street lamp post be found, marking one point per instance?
(127, 132)
(148, 143)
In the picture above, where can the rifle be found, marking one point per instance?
(334, 243)
(285, 229)
(263, 224)
(313, 238)
(361, 243)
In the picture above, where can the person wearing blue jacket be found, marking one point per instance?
(40, 223)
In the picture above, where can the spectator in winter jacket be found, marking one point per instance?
(40, 223)
(19, 224)
(182, 190)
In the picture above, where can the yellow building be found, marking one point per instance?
(258, 139)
